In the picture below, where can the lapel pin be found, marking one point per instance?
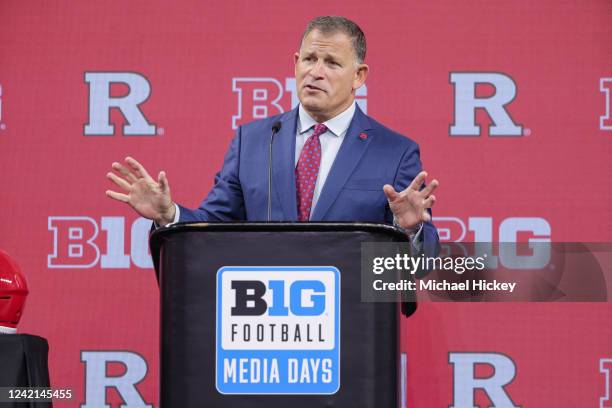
(363, 136)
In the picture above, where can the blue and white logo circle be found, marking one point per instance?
(278, 330)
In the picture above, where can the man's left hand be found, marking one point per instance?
(410, 206)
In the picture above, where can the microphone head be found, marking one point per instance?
(276, 126)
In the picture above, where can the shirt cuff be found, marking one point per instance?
(177, 216)
(417, 242)
(413, 236)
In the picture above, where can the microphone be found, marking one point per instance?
(275, 128)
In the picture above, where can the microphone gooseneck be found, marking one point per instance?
(275, 128)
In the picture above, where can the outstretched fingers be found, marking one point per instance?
(117, 196)
(429, 201)
(118, 181)
(162, 180)
(137, 167)
(390, 192)
(418, 181)
(430, 188)
(125, 172)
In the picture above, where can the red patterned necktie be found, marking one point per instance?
(307, 171)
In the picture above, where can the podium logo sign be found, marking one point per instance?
(278, 330)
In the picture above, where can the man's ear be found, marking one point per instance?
(296, 58)
(360, 76)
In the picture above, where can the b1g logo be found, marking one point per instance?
(483, 232)
(81, 242)
(488, 229)
(260, 98)
(278, 330)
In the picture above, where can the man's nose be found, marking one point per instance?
(318, 70)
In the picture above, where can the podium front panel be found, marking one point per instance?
(192, 262)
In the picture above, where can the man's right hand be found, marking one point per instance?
(151, 199)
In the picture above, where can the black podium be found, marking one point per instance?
(23, 363)
(269, 315)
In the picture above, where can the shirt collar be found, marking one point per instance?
(337, 125)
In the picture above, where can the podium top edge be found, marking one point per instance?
(159, 235)
(162, 232)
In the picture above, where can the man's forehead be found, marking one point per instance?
(317, 40)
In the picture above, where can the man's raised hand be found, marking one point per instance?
(410, 206)
(151, 199)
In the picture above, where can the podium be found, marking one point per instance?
(24, 363)
(264, 315)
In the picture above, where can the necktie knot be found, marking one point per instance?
(319, 129)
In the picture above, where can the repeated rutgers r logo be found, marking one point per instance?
(2, 124)
(102, 85)
(260, 98)
(605, 86)
(467, 102)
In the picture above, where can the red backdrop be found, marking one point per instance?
(196, 66)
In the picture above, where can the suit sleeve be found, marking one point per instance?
(225, 201)
(410, 166)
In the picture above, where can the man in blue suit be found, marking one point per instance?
(330, 162)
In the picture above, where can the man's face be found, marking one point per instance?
(327, 74)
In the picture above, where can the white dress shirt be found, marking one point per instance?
(330, 142)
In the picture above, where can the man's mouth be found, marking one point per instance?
(313, 88)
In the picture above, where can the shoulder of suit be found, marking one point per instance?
(391, 136)
(264, 126)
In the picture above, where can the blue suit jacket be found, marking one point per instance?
(353, 189)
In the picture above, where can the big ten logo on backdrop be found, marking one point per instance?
(481, 105)
(85, 242)
(487, 372)
(489, 229)
(605, 86)
(278, 330)
(116, 102)
(260, 98)
(117, 370)
(484, 231)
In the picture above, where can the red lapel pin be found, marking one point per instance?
(363, 136)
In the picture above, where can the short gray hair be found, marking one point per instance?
(334, 24)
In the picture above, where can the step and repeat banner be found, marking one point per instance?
(509, 101)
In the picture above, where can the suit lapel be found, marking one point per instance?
(352, 149)
(283, 168)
